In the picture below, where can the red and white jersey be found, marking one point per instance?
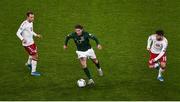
(25, 32)
(156, 46)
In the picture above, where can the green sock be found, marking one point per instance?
(87, 72)
(97, 65)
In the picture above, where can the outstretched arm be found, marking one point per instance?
(68, 37)
(96, 40)
(36, 35)
(149, 43)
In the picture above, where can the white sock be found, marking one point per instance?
(156, 65)
(29, 60)
(160, 72)
(34, 64)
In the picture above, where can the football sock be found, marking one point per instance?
(29, 60)
(87, 72)
(34, 64)
(160, 72)
(97, 65)
(156, 66)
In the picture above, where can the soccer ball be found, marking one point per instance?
(81, 83)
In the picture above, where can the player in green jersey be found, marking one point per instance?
(84, 49)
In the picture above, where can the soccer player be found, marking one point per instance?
(84, 50)
(25, 33)
(157, 45)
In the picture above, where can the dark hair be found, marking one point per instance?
(160, 32)
(78, 26)
(29, 13)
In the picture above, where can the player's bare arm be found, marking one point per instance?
(38, 36)
(65, 47)
(99, 46)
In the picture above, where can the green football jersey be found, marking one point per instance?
(82, 41)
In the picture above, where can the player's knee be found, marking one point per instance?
(151, 66)
(95, 60)
(163, 65)
(83, 62)
(84, 65)
(35, 57)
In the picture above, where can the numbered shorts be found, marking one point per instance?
(152, 56)
(86, 54)
(31, 49)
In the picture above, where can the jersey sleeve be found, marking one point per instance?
(68, 37)
(165, 45)
(33, 31)
(20, 30)
(94, 38)
(149, 42)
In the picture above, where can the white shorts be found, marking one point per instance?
(86, 54)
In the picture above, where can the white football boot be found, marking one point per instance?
(100, 72)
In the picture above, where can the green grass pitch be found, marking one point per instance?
(122, 27)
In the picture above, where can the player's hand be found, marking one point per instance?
(39, 36)
(99, 46)
(65, 47)
(24, 41)
(148, 49)
(154, 60)
(151, 61)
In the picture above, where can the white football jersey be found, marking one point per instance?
(26, 32)
(156, 46)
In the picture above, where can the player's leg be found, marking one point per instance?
(33, 57)
(34, 61)
(154, 65)
(162, 68)
(83, 61)
(29, 62)
(96, 62)
(92, 55)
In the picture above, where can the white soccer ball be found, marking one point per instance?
(81, 83)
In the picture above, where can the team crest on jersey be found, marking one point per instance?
(80, 40)
(158, 45)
